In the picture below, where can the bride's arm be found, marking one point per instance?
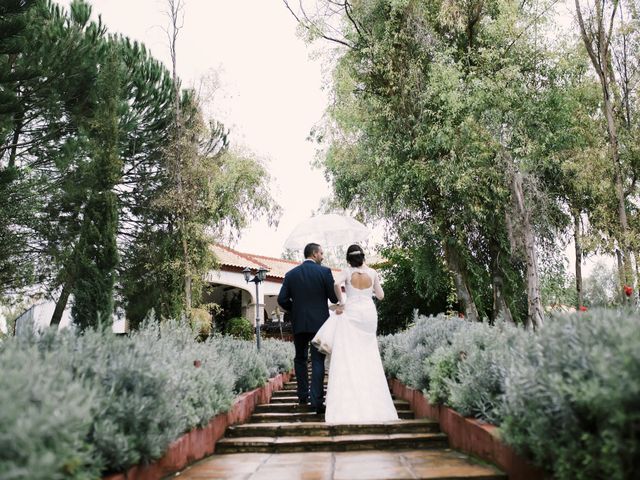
(338, 289)
(337, 286)
(377, 288)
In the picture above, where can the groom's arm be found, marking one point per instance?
(284, 297)
(329, 282)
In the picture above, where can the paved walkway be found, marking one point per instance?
(403, 464)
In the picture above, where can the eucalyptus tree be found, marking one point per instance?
(439, 124)
(610, 33)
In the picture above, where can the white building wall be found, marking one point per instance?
(41, 313)
(236, 279)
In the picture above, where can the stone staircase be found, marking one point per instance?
(286, 440)
(284, 426)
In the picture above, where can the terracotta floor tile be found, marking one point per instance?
(372, 474)
(457, 471)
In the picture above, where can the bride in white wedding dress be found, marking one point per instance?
(357, 390)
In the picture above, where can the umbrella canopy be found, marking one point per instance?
(331, 230)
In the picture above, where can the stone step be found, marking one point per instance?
(306, 416)
(294, 385)
(335, 443)
(288, 394)
(321, 429)
(295, 406)
(290, 398)
(292, 391)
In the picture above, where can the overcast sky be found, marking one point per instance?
(270, 94)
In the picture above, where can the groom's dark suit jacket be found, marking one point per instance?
(304, 293)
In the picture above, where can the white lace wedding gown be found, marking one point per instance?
(357, 390)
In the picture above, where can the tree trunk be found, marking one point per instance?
(175, 9)
(577, 235)
(500, 307)
(535, 313)
(187, 275)
(463, 291)
(17, 130)
(18, 119)
(621, 278)
(61, 304)
(598, 44)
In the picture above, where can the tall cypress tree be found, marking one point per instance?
(97, 253)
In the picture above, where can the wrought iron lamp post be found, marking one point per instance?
(258, 278)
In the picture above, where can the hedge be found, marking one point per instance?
(82, 405)
(567, 395)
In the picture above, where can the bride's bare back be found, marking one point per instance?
(361, 280)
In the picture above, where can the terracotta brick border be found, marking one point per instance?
(470, 435)
(201, 442)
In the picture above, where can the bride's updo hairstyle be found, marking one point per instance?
(355, 256)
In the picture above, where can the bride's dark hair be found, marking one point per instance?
(355, 256)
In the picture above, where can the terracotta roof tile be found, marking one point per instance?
(277, 267)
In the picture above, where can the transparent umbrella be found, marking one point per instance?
(330, 230)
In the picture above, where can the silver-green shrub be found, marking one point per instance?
(201, 376)
(404, 353)
(78, 405)
(45, 418)
(442, 366)
(247, 365)
(567, 396)
(572, 397)
(278, 356)
(138, 414)
(470, 374)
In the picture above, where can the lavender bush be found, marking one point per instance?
(567, 396)
(97, 402)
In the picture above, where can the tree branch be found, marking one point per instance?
(312, 27)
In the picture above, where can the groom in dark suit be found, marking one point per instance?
(304, 293)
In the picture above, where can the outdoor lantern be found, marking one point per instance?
(258, 278)
(262, 274)
(247, 274)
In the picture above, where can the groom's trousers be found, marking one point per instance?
(302, 342)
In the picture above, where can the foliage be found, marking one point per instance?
(95, 402)
(278, 355)
(88, 163)
(600, 286)
(439, 111)
(201, 321)
(410, 283)
(565, 396)
(556, 287)
(96, 253)
(45, 419)
(472, 377)
(239, 327)
(403, 354)
(248, 366)
(572, 394)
